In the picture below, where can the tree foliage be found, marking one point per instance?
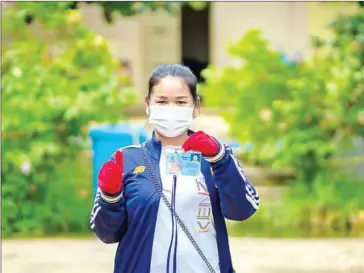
(128, 8)
(296, 115)
(57, 76)
(293, 115)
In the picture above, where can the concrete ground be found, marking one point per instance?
(250, 255)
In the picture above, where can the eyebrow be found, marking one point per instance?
(179, 97)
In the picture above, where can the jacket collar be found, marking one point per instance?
(154, 146)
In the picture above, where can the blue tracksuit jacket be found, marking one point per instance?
(131, 220)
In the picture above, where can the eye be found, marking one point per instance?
(160, 102)
(181, 102)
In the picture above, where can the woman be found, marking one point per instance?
(163, 220)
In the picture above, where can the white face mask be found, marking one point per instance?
(171, 121)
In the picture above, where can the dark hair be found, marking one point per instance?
(174, 70)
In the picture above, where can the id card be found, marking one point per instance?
(186, 164)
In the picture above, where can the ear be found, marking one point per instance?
(146, 104)
(196, 111)
(146, 101)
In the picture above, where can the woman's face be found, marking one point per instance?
(172, 91)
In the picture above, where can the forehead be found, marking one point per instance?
(171, 87)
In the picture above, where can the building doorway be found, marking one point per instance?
(195, 39)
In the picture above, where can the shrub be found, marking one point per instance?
(293, 115)
(57, 76)
(334, 207)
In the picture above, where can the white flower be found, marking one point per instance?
(17, 72)
(25, 167)
(266, 114)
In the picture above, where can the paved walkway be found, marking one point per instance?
(250, 255)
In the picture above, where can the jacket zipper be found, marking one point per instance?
(174, 230)
(176, 226)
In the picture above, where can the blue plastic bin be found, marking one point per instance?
(106, 139)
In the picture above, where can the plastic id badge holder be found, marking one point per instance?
(182, 163)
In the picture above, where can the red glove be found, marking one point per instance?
(110, 178)
(201, 142)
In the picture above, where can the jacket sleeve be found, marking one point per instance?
(108, 217)
(238, 198)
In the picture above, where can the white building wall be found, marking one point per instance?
(284, 24)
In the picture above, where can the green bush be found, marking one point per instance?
(293, 115)
(71, 193)
(298, 117)
(57, 77)
(334, 207)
